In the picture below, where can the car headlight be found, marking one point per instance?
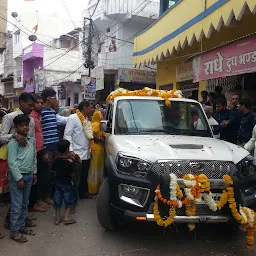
(246, 167)
(132, 166)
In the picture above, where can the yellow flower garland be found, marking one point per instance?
(223, 200)
(247, 220)
(87, 128)
(160, 222)
(231, 200)
(204, 183)
(166, 95)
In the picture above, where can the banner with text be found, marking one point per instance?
(98, 73)
(233, 59)
(89, 85)
(136, 76)
(184, 72)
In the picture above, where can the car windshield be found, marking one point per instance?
(154, 117)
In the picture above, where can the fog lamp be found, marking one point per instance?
(131, 190)
(133, 195)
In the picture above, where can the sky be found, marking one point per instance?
(75, 7)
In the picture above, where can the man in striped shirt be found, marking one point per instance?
(50, 132)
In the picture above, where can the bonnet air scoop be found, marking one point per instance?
(186, 146)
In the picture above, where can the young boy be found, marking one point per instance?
(64, 187)
(22, 174)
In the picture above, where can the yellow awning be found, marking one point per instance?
(186, 22)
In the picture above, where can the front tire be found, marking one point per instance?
(104, 214)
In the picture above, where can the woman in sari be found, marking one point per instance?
(96, 172)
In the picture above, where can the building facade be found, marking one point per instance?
(3, 29)
(200, 27)
(3, 24)
(53, 60)
(116, 23)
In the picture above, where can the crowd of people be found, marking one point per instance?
(48, 154)
(236, 119)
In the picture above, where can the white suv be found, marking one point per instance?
(145, 140)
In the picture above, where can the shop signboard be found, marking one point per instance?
(184, 72)
(136, 76)
(89, 84)
(62, 93)
(98, 73)
(233, 59)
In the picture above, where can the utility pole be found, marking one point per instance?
(87, 51)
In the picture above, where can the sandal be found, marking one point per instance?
(30, 224)
(69, 222)
(1, 236)
(27, 231)
(57, 222)
(19, 238)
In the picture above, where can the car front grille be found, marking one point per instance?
(212, 169)
(201, 209)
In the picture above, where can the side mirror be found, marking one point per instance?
(215, 129)
(104, 126)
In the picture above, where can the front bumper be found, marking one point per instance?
(129, 208)
(194, 219)
(149, 217)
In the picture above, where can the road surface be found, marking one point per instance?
(87, 238)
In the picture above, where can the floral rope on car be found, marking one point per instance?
(88, 132)
(164, 94)
(197, 188)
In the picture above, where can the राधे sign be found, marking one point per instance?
(233, 59)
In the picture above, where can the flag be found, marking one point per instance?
(35, 27)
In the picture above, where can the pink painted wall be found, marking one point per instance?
(33, 51)
(32, 59)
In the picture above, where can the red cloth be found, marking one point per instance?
(4, 187)
(38, 130)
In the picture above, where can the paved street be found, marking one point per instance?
(87, 238)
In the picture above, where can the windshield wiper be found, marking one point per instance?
(200, 133)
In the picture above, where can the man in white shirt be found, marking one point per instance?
(79, 144)
(212, 122)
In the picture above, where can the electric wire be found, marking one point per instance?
(91, 15)
(67, 11)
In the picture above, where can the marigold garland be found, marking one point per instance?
(223, 200)
(158, 218)
(171, 202)
(88, 132)
(164, 94)
(195, 186)
(204, 183)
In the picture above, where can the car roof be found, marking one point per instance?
(151, 98)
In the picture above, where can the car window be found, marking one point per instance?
(151, 116)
